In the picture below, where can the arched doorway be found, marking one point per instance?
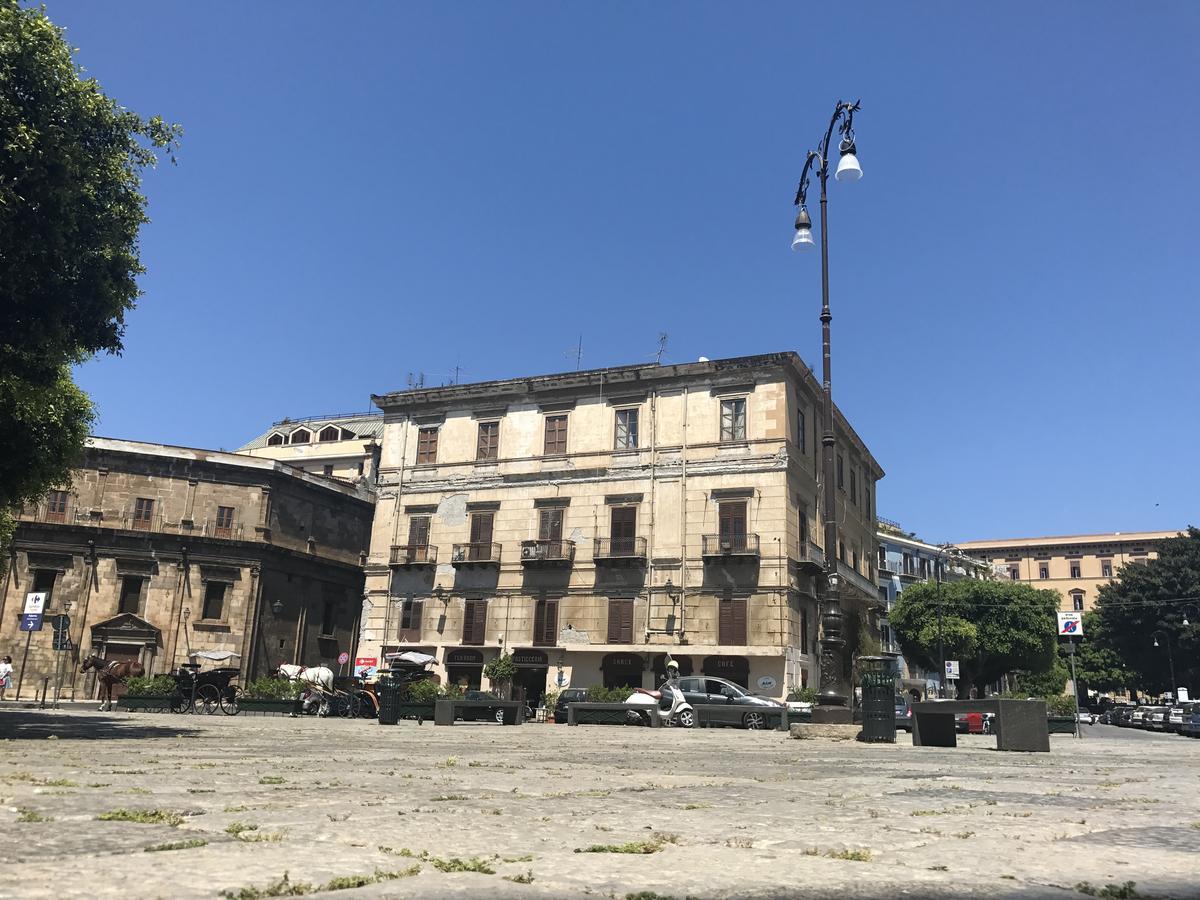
(622, 670)
(464, 667)
(127, 638)
(731, 668)
(660, 667)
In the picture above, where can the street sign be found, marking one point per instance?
(952, 669)
(1070, 624)
(343, 658)
(62, 641)
(31, 622)
(35, 603)
(365, 666)
(60, 622)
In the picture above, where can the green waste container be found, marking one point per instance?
(878, 700)
(389, 702)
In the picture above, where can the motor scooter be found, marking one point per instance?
(673, 707)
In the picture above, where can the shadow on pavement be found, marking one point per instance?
(39, 725)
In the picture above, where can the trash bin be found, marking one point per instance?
(878, 700)
(389, 702)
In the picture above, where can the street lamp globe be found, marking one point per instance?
(848, 168)
(804, 236)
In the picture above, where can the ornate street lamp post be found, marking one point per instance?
(833, 702)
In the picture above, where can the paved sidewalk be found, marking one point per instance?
(718, 813)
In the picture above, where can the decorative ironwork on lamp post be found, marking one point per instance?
(833, 701)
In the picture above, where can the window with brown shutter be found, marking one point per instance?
(56, 506)
(427, 446)
(418, 539)
(410, 620)
(481, 536)
(489, 441)
(224, 521)
(475, 622)
(143, 513)
(556, 435)
(550, 524)
(620, 621)
(623, 531)
(731, 622)
(732, 526)
(545, 623)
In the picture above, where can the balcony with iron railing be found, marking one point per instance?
(413, 555)
(735, 544)
(811, 555)
(128, 521)
(629, 548)
(547, 552)
(476, 552)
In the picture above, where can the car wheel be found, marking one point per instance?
(500, 716)
(754, 721)
(686, 718)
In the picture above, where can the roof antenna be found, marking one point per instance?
(577, 353)
(418, 382)
(662, 347)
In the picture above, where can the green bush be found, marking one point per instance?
(267, 688)
(599, 694)
(802, 695)
(550, 699)
(500, 670)
(158, 686)
(428, 691)
(1061, 705)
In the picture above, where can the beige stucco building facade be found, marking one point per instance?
(591, 522)
(154, 552)
(345, 447)
(1075, 565)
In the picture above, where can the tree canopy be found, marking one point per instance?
(1149, 598)
(70, 211)
(991, 627)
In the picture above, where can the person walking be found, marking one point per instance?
(6, 671)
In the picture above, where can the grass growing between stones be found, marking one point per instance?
(25, 814)
(287, 888)
(272, 779)
(178, 845)
(142, 816)
(653, 845)
(527, 878)
(454, 864)
(851, 855)
(1126, 891)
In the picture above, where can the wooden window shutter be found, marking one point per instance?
(738, 616)
(620, 621)
(725, 621)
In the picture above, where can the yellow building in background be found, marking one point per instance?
(1075, 565)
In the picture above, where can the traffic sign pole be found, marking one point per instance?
(1075, 689)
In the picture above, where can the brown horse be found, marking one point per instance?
(109, 674)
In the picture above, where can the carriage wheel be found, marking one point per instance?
(366, 706)
(347, 706)
(180, 703)
(208, 699)
(229, 701)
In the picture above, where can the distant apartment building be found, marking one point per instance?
(905, 560)
(155, 552)
(593, 522)
(345, 447)
(1075, 565)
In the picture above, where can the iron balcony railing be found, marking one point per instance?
(619, 548)
(547, 551)
(888, 566)
(475, 552)
(730, 545)
(414, 555)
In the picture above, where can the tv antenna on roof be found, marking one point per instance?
(662, 347)
(577, 352)
(418, 382)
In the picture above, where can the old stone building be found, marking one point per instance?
(592, 521)
(158, 551)
(345, 447)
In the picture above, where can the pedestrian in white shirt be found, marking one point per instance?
(6, 671)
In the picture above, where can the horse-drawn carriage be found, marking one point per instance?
(199, 690)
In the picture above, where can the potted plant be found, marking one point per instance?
(500, 672)
(418, 698)
(143, 692)
(1060, 713)
(270, 695)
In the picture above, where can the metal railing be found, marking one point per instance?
(619, 548)
(547, 551)
(413, 555)
(730, 545)
(475, 552)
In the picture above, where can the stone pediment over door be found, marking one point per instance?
(126, 629)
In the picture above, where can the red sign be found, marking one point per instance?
(343, 658)
(366, 661)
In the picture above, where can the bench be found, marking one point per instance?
(608, 713)
(1019, 724)
(445, 712)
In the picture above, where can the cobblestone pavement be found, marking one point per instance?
(718, 813)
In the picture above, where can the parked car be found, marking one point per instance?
(1191, 725)
(1124, 716)
(1085, 717)
(568, 695)
(1155, 718)
(904, 720)
(1178, 714)
(727, 703)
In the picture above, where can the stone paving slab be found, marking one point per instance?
(726, 813)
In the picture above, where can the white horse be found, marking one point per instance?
(317, 679)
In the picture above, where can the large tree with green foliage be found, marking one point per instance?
(70, 210)
(1150, 597)
(991, 627)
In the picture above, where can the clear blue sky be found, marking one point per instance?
(371, 189)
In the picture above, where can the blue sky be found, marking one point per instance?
(371, 189)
